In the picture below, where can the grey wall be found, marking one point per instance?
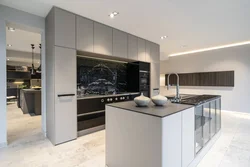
(29, 22)
(234, 58)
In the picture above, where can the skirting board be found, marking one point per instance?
(205, 150)
(91, 130)
(3, 144)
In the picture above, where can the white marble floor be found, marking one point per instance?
(28, 148)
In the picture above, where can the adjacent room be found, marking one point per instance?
(23, 59)
(124, 83)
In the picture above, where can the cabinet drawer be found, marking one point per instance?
(90, 121)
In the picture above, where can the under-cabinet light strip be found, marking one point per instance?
(102, 59)
(211, 48)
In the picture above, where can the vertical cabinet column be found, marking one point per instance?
(61, 116)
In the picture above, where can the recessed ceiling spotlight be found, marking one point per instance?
(164, 37)
(9, 45)
(11, 29)
(113, 14)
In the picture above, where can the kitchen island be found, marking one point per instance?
(30, 101)
(153, 136)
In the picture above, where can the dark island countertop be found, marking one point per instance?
(157, 111)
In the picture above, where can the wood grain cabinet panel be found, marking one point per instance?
(120, 44)
(85, 34)
(221, 78)
(103, 39)
(132, 47)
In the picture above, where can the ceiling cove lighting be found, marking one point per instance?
(113, 14)
(9, 45)
(211, 48)
(164, 37)
(11, 29)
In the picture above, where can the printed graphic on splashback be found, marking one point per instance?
(100, 77)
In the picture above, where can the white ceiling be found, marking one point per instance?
(20, 51)
(194, 23)
(21, 40)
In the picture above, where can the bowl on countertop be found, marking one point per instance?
(142, 101)
(159, 100)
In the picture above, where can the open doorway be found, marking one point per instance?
(24, 97)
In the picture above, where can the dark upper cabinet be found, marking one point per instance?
(103, 39)
(120, 44)
(85, 34)
(65, 28)
(132, 47)
(223, 78)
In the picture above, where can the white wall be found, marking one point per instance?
(236, 98)
(28, 22)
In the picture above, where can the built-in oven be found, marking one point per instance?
(144, 77)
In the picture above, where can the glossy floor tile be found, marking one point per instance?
(29, 148)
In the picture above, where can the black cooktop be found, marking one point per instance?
(199, 99)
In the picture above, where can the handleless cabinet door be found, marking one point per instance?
(132, 47)
(188, 133)
(141, 49)
(85, 34)
(103, 37)
(65, 24)
(120, 44)
(154, 52)
(147, 53)
(65, 83)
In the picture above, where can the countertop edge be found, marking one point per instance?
(188, 107)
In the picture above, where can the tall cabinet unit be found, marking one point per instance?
(61, 76)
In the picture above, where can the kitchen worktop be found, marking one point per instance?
(31, 90)
(157, 111)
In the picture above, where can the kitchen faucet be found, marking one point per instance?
(177, 97)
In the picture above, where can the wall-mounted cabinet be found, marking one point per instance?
(103, 39)
(84, 34)
(141, 43)
(132, 47)
(148, 52)
(221, 78)
(65, 28)
(120, 44)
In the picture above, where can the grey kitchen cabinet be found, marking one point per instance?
(65, 28)
(103, 36)
(120, 44)
(132, 47)
(65, 106)
(148, 52)
(141, 49)
(84, 34)
(154, 52)
(154, 76)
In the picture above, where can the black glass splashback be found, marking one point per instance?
(97, 76)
